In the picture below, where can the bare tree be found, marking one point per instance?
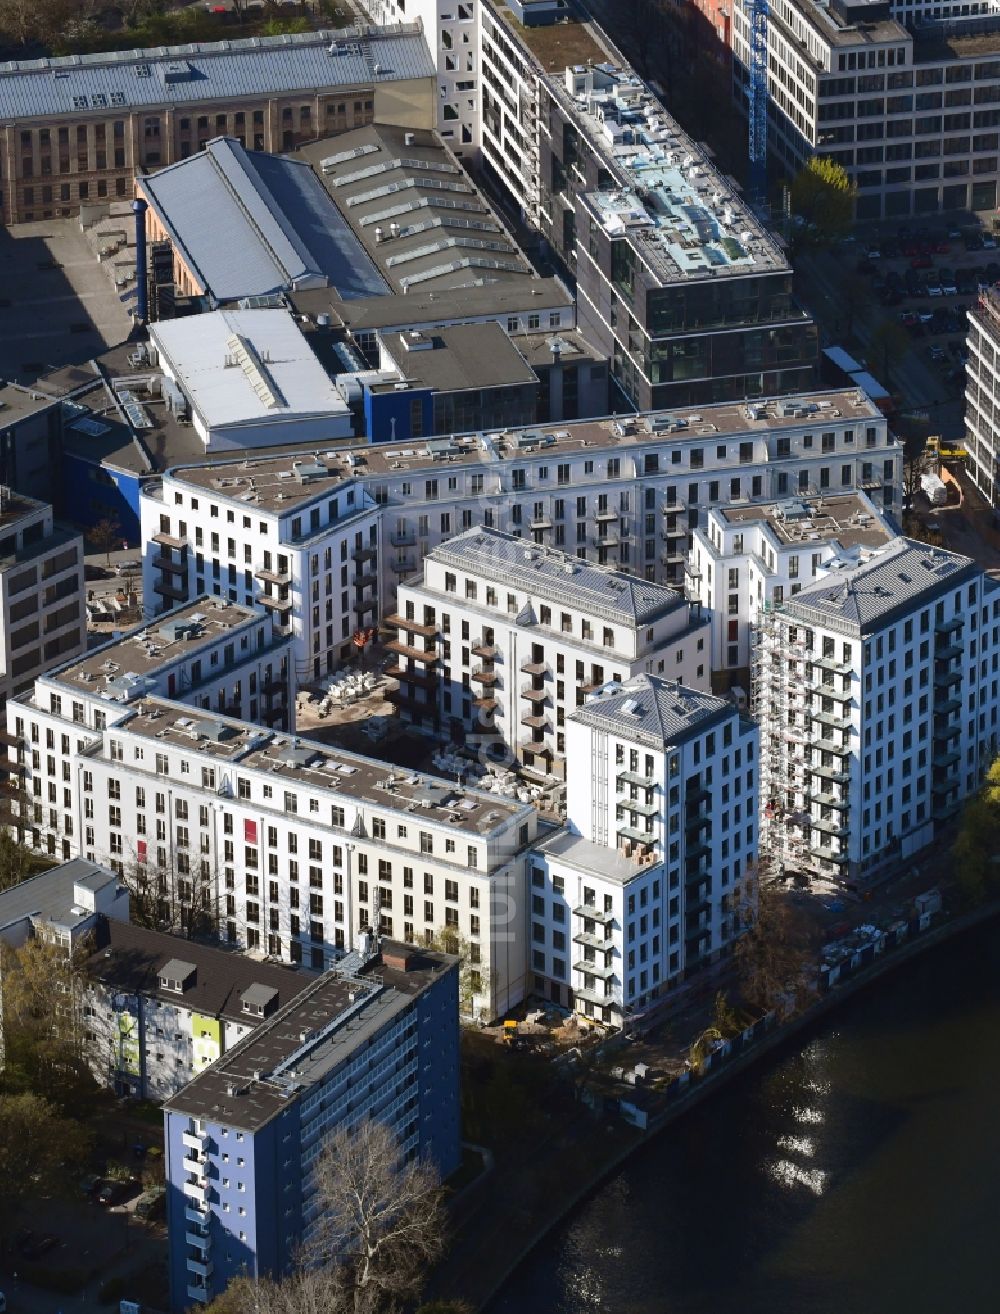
(380, 1223)
(773, 957)
(105, 536)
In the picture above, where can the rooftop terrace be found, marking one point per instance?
(556, 45)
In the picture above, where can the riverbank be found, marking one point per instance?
(512, 1211)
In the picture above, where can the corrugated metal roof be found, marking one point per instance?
(249, 223)
(226, 70)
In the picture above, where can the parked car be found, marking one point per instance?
(937, 352)
(110, 1193)
(934, 286)
(947, 279)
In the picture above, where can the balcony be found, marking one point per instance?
(281, 577)
(611, 539)
(277, 604)
(200, 1240)
(948, 651)
(536, 746)
(531, 667)
(607, 513)
(197, 1189)
(594, 914)
(835, 774)
(365, 577)
(487, 651)
(411, 626)
(198, 1293)
(828, 826)
(634, 778)
(364, 553)
(635, 834)
(483, 675)
(537, 721)
(425, 679)
(167, 563)
(168, 541)
(426, 656)
(594, 997)
(831, 664)
(199, 1218)
(831, 719)
(945, 679)
(591, 941)
(830, 800)
(946, 626)
(403, 538)
(201, 1269)
(594, 969)
(166, 590)
(487, 705)
(827, 854)
(402, 565)
(540, 522)
(530, 692)
(639, 806)
(364, 605)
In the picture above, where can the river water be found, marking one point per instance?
(855, 1173)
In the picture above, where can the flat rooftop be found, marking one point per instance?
(304, 762)
(172, 637)
(49, 896)
(19, 403)
(549, 573)
(849, 518)
(308, 1039)
(428, 307)
(628, 436)
(72, 85)
(461, 358)
(591, 859)
(246, 367)
(416, 213)
(131, 958)
(556, 45)
(685, 219)
(569, 347)
(15, 507)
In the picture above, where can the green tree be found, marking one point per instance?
(17, 861)
(823, 195)
(976, 851)
(39, 1149)
(473, 977)
(889, 347)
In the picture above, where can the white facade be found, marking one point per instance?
(650, 879)
(502, 639)
(451, 30)
(325, 539)
(210, 654)
(305, 554)
(42, 616)
(748, 559)
(877, 693)
(291, 848)
(509, 125)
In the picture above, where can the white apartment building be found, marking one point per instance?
(647, 883)
(210, 654)
(451, 30)
(42, 616)
(291, 848)
(501, 639)
(982, 396)
(906, 96)
(747, 559)
(297, 535)
(324, 540)
(876, 689)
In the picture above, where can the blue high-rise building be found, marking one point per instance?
(376, 1038)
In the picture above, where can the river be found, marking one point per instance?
(856, 1172)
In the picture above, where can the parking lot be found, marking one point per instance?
(928, 279)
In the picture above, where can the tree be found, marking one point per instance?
(773, 956)
(17, 861)
(38, 1150)
(976, 851)
(473, 977)
(361, 639)
(823, 195)
(105, 536)
(889, 345)
(380, 1219)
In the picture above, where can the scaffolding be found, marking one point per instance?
(780, 704)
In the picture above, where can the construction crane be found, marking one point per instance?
(757, 11)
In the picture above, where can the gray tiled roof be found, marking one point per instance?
(547, 573)
(866, 597)
(652, 710)
(250, 223)
(225, 70)
(49, 895)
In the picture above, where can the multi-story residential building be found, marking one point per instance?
(747, 559)
(211, 654)
(30, 426)
(451, 29)
(905, 96)
(501, 639)
(62, 905)
(648, 882)
(982, 396)
(374, 1041)
(876, 689)
(77, 130)
(677, 280)
(297, 536)
(292, 848)
(553, 487)
(160, 1010)
(42, 616)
